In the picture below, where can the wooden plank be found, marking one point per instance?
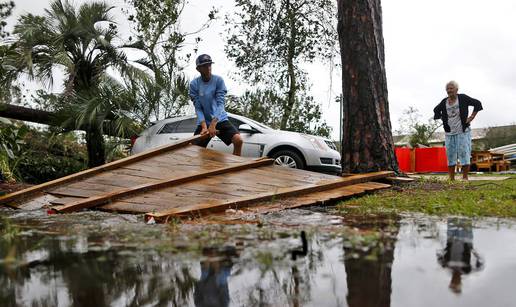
(73, 193)
(268, 176)
(92, 171)
(399, 179)
(136, 173)
(97, 200)
(90, 186)
(318, 198)
(160, 200)
(200, 153)
(122, 181)
(244, 201)
(373, 185)
(63, 200)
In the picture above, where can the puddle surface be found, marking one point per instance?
(100, 259)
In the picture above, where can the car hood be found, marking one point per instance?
(296, 134)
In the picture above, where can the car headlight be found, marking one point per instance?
(316, 143)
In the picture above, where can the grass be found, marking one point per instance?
(436, 197)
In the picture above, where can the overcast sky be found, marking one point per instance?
(427, 43)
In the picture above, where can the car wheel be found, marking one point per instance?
(288, 158)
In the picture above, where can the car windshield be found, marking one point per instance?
(259, 124)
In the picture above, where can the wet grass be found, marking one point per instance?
(437, 197)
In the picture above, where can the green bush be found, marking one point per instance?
(50, 155)
(37, 156)
(11, 151)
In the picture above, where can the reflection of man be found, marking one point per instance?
(212, 287)
(457, 254)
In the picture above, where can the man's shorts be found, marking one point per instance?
(226, 132)
(458, 147)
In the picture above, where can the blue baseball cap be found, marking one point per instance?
(203, 59)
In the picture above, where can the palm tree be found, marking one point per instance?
(81, 42)
(8, 72)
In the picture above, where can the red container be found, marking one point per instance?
(431, 159)
(403, 156)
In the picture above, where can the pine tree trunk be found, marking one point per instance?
(96, 147)
(291, 98)
(367, 143)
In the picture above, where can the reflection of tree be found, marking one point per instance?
(368, 267)
(458, 251)
(95, 277)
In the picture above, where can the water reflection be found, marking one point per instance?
(379, 264)
(459, 256)
(368, 267)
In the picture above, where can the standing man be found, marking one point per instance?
(208, 94)
(453, 110)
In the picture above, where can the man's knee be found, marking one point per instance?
(237, 140)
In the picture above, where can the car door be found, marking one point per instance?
(174, 131)
(252, 146)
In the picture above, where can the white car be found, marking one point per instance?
(290, 149)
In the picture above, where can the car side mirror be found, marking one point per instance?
(246, 128)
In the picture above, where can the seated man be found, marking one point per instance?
(208, 94)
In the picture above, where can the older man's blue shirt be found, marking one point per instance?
(208, 99)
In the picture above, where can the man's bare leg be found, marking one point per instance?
(237, 144)
(451, 172)
(465, 171)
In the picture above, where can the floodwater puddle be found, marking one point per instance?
(291, 258)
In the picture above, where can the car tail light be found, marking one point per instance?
(133, 139)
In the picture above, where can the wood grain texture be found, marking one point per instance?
(16, 196)
(281, 192)
(103, 198)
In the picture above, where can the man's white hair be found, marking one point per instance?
(454, 83)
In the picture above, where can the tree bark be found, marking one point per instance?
(47, 118)
(94, 135)
(367, 143)
(96, 146)
(369, 281)
(26, 114)
(291, 98)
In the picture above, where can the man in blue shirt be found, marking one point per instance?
(208, 93)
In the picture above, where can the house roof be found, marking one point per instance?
(476, 134)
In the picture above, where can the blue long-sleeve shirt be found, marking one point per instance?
(208, 99)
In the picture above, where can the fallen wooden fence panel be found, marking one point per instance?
(217, 206)
(181, 179)
(19, 195)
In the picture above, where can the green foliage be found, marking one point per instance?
(265, 35)
(83, 42)
(6, 9)
(422, 133)
(307, 119)
(270, 40)
(159, 35)
(262, 106)
(419, 133)
(48, 155)
(496, 137)
(11, 148)
(9, 90)
(435, 197)
(265, 107)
